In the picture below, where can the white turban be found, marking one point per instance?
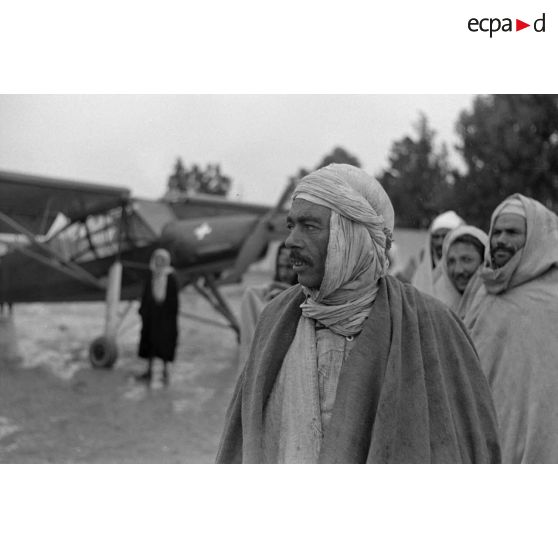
(361, 226)
(448, 220)
(511, 206)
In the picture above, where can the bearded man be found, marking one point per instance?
(513, 320)
(353, 366)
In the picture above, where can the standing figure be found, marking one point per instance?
(428, 272)
(159, 314)
(464, 251)
(352, 365)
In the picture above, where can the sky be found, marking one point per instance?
(259, 140)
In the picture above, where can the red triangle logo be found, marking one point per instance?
(519, 25)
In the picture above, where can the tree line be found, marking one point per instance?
(507, 144)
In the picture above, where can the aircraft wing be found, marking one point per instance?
(34, 202)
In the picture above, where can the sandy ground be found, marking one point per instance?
(55, 408)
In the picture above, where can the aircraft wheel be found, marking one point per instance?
(103, 352)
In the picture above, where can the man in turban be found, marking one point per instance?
(351, 365)
(513, 320)
(428, 272)
(462, 256)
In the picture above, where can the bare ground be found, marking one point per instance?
(55, 408)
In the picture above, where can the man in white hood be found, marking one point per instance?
(512, 315)
(462, 256)
(428, 272)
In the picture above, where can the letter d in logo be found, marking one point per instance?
(540, 21)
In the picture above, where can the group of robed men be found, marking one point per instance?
(351, 365)
(504, 286)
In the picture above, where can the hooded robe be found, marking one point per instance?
(512, 314)
(428, 272)
(159, 312)
(445, 289)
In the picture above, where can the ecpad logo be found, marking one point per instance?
(493, 25)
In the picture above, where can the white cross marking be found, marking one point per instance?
(202, 231)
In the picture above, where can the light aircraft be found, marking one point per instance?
(76, 241)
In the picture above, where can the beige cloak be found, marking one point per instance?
(512, 315)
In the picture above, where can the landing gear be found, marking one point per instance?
(210, 292)
(103, 352)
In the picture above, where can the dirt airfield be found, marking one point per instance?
(55, 408)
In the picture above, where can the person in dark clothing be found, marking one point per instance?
(159, 314)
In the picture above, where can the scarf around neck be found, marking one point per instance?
(356, 254)
(159, 275)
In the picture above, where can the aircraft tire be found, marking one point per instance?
(103, 352)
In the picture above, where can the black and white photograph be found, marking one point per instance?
(143, 237)
(246, 248)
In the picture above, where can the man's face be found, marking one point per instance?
(437, 241)
(285, 272)
(308, 239)
(463, 260)
(508, 236)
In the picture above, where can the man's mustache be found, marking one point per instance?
(297, 256)
(507, 249)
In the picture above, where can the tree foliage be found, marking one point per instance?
(186, 181)
(338, 155)
(509, 144)
(418, 177)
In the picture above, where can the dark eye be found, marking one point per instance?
(290, 226)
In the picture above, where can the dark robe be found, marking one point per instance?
(411, 391)
(159, 331)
